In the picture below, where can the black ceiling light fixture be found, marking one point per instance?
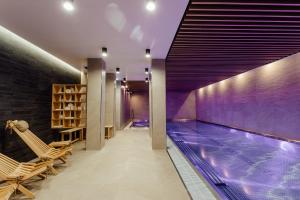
(147, 71)
(117, 70)
(148, 53)
(147, 80)
(104, 52)
(124, 80)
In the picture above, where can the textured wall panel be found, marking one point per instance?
(181, 105)
(109, 99)
(139, 102)
(264, 100)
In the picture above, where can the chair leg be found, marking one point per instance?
(52, 170)
(25, 191)
(63, 160)
(42, 176)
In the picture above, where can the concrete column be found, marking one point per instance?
(150, 107)
(95, 104)
(158, 104)
(118, 91)
(110, 100)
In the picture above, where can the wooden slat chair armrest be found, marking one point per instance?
(48, 155)
(60, 144)
(39, 164)
(44, 163)
(14, 178)
(24, 172)
(36, 172)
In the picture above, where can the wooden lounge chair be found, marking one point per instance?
(16, 173)
(7, 191)
(41, 149)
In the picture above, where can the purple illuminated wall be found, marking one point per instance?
(264, 100)
(181, 105)
(139, 102)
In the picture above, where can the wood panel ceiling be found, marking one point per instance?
(218, 39)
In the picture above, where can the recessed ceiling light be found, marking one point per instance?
(148, 54)
(68, 5)
(104, 52)
(151, 5)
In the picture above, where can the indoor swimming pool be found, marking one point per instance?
(238, 164)
(140, 123)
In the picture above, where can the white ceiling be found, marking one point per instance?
(125, 27)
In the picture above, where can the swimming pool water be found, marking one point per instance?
(238, 164)
(140, 123)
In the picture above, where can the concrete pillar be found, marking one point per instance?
(95, 104)
(110, 100)
(150, 107)
(118, 91)
(158, 104)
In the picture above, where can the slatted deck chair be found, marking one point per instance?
(7, 191)
(41, 149)
(16, 173)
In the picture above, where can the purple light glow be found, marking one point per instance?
(253, 166)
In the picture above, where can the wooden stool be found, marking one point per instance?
(108, 131)
(70, 132)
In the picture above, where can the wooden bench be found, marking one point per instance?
(70, 132)
(108, 131)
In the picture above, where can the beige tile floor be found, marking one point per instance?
(127, 168)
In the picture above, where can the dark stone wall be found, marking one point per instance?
(26, 78)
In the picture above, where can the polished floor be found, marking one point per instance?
(239, 164)
(127, 168)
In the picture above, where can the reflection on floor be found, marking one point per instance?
(127, 168)
(240, 164)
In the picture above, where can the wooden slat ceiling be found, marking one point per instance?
(218, 39)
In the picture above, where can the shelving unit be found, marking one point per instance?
(68, 106)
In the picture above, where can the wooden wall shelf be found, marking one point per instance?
(68, 106)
